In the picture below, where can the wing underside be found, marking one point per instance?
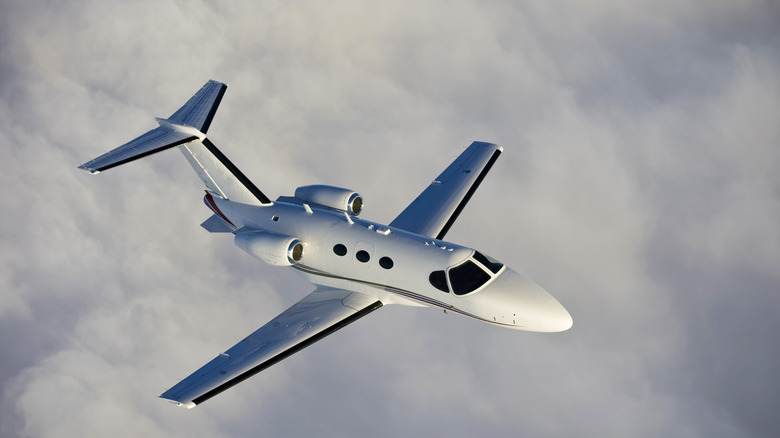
(438, 206)
(319, 314)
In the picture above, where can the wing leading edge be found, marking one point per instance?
(438, 206)
(319, 314)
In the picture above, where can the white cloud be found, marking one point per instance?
(639, 184)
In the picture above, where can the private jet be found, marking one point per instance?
(356, 265)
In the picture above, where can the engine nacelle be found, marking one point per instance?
(331, 197)
(272, 248)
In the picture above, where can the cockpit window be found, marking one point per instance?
(489, 262)
(467, 277)
(439, 281)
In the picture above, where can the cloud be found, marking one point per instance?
(639, 185)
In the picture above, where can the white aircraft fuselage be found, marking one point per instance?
(506, 298)
(357, 266)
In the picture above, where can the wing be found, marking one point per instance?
(319, 314)
(435, 210)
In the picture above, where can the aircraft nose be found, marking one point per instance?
(513, 299)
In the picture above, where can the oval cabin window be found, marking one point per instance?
(363, 256)
(386, 262)
(340, 250)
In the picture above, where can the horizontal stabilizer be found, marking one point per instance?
(189, 123)
(150, 143)
(199, 111)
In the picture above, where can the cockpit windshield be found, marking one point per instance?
(468, 276)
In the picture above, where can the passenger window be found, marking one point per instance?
(439, 281)
(363, 256)
(340, 249)
(467, 277)
(489, 262)
(386, 262)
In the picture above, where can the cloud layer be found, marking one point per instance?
(640, 185)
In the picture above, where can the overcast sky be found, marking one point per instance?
(640, 185)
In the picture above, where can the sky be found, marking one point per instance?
(639, 184)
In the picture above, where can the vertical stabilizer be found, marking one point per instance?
(220, 175)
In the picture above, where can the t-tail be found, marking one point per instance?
(186, 129)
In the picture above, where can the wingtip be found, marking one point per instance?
(224, 84)
(497, 147)
(489, 144)
(89, 169)
(188, 405)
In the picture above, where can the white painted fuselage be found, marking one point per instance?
(356, 265)
(507, 298)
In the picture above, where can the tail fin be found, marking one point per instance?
(187, 128)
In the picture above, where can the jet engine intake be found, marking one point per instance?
(331, 197)
(272, 248)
